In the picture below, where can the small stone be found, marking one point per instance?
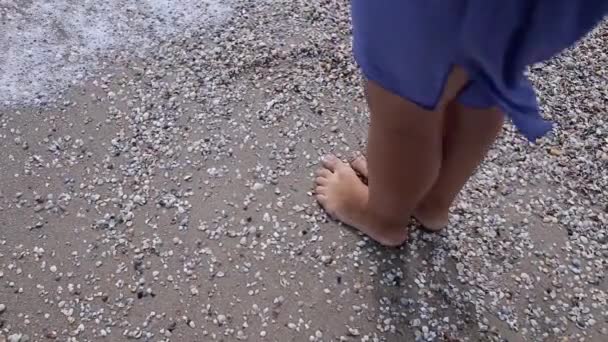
(2, 308)
(353, 332)
(14, 338)
(257, 186)
(555, 151)
(139, 200)
(326, 259)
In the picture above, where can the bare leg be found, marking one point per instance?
(401, 134)
(469, 133)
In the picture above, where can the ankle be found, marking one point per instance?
(388, 233)
(382, 221)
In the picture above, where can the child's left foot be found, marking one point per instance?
(344, 196)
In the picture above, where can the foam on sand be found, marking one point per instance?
(47, 45)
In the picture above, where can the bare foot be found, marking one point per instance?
(344, 196)
(430, 218)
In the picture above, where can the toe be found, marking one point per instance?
(321, 190)
(322, 181)
(323, 173)
(331, 162)
(322, 198)
(325, 203)
(359, 164)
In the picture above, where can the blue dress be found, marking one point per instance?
(410, 46)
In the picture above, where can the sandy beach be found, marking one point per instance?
(156, 185)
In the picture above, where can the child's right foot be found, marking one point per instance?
(431, 219)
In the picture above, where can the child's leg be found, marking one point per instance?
(469, 133)
(404, 151)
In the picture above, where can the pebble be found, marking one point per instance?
(353, 332)
(15, 338)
